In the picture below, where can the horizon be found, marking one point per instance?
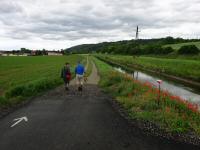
(95, 43)
(66, 23)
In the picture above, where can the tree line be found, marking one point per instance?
(33, 52)
(137, 47)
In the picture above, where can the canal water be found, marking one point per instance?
(178, 89)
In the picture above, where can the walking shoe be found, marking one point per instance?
(80, 88)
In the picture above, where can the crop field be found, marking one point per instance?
(19, 73)
(185, 68)
(177, 46)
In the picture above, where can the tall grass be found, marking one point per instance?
(141, 102)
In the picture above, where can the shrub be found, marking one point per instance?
(16, 91)
(179, 125)
(167, 50)
(188, 50)
(3, 101)
(156, 49)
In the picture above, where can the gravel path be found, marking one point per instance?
(61, 120)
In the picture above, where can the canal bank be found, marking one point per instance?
(137, 102)
(189, 92)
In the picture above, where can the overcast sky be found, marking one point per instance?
(56, 24)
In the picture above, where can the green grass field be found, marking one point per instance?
(177, 46)
(185, 68)
(26, 76)
(141, 102)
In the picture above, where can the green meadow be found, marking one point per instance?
(22, 77)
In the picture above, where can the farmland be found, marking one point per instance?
(20, 75)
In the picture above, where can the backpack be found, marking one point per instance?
(68, 76)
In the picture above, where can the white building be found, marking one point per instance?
(54, 54)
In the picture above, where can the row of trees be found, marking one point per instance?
(151, 49)
(28, 51)
(138, 50)
(133, 47)
(34, 52)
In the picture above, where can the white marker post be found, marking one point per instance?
(19, 120)
(159, 82)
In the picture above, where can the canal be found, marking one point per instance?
(175, 88)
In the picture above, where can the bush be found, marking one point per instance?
(3, 101)
(156, 49)
(167, 50)
(188, 50)
(16, 91)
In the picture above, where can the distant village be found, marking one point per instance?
(27, 52)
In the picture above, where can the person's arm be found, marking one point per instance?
(75, 70)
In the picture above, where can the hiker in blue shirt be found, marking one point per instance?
(79, 71)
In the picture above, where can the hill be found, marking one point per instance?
(179, 45)
(141, 46)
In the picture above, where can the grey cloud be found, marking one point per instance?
(97, 20)
(8, 7)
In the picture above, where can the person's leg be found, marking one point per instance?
(79, 86)
(81, 82)
(65, 81)
(67, 85)
(78, 81)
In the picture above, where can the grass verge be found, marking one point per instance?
(141, 102)
(89, 67)
(184, 68)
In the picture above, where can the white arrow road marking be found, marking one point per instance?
(19, 120)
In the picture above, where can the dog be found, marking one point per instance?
(85, 79)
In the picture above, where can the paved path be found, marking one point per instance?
(60, 120)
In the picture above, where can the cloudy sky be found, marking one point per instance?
(56, 24)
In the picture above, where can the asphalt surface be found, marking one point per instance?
(61, 120)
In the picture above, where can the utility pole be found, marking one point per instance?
(137, 33)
